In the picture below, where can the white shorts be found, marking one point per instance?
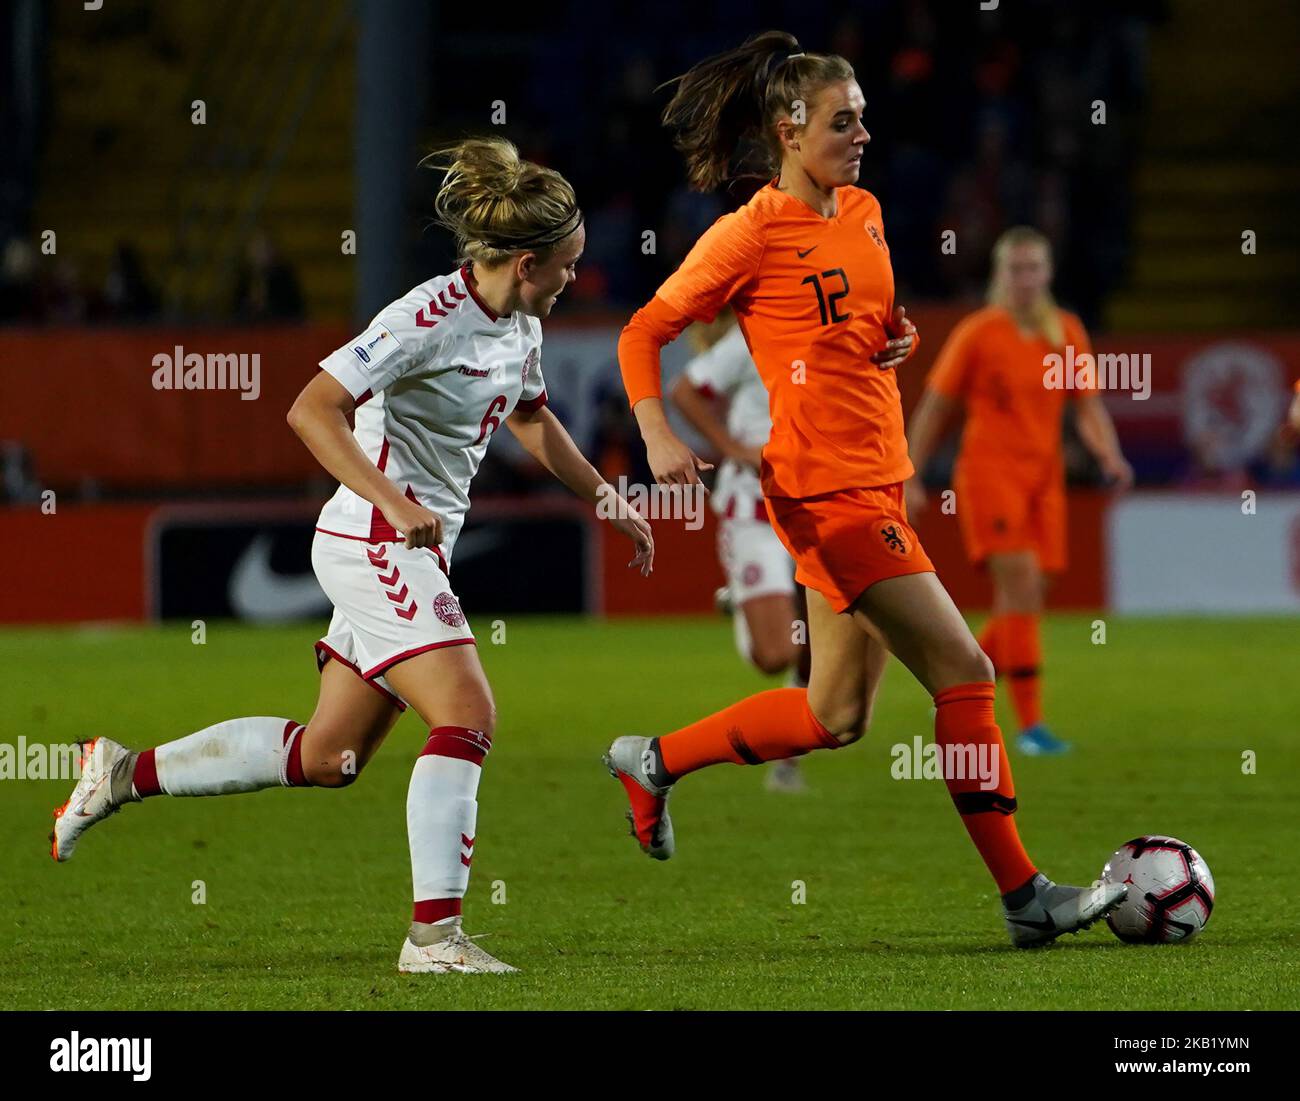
(390, 603)
(755, 562)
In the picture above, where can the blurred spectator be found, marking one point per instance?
(19, 298)
(1211, 469)
(127, 294)
(267, 287)
(64, 299)
(1279, 466)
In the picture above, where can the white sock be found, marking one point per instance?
(744, 641)
(234, 756)
(441, 819)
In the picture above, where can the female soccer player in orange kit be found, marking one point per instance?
(806, 268)
(1010, 475)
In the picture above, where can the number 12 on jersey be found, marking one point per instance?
(829, 305)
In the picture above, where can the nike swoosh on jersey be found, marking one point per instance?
(805, 252)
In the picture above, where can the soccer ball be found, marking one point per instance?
(1170, 893)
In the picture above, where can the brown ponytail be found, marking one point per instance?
(498, 204)
(728, 104)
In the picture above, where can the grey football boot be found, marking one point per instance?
(1055, 909)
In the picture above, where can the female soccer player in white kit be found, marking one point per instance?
(435, 375)
(761, 591)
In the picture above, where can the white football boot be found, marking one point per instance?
(629, 760)
(91, 800)
(453, 953)
(1055, 909)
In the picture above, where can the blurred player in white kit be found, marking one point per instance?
(766, 605)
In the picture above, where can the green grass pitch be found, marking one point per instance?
(307, 892)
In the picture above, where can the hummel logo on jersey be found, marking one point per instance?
(474, 372)
(440, 305)
(804, 252)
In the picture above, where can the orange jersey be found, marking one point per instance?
(812, 296)
(997, 374)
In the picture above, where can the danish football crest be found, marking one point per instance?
(446, 608)
(530, 361)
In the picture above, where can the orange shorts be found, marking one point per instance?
(1000, 513)
(844, 542)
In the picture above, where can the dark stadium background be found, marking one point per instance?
(150, 538)
(228, 237)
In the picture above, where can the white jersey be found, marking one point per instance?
(727, 370)
(433, 377)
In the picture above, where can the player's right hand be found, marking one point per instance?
(421, 527)
(672, 462)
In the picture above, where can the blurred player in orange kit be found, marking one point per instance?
(806, 268)
(1010, 473)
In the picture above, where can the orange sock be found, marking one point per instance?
(767, 726)
(990, 640)
(1023, 654)
(964, 720)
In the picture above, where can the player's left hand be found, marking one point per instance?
(1118, 473)
(631, 524)
(902, 334)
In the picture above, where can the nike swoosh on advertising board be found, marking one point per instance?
(258, 593)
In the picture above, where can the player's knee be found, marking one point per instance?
(771, 658)
(975, 665)
(480, 713)
(466, 705)
(332, 770)
(853, 733)
(1024, 599)
(846, 723)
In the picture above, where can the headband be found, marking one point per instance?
(549, 236)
